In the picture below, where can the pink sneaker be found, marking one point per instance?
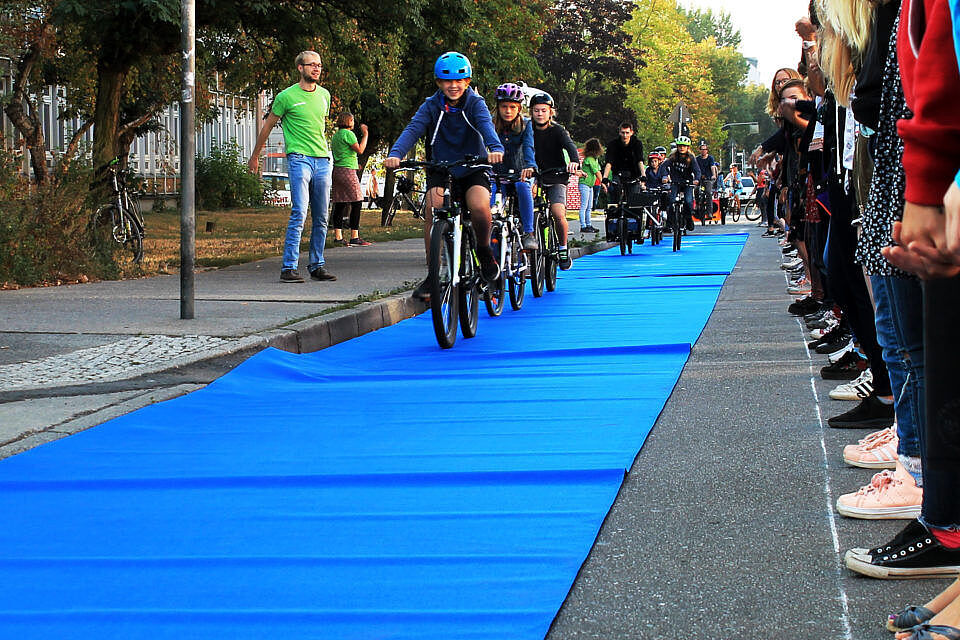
(889, 496)
(877, 451)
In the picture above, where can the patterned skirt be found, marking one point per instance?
(346, 185)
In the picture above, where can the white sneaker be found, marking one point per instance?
(836, 355)
(855, 389)
(791, 264)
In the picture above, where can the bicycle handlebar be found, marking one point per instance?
(473, 162)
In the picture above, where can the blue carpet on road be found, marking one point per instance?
(378, 489)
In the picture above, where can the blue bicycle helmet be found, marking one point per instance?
(452, 66)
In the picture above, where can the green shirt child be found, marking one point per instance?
(341, 144)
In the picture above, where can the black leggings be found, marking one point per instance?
(340, 210)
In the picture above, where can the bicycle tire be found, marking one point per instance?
(117, 232)
(677, 232)
(622, 233)
(538, 262)
(469, 292)
(552, 258)
(444, 301)
(386, 216)
(752, 213)
(517, 280)
(735, 214)
(496, 294)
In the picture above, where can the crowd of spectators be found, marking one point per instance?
(864, 195)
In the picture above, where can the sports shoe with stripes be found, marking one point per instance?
(855, 389)
(876, 451)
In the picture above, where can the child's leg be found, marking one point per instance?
(525, 204)
(355, 219)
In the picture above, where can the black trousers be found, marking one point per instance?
(940, 445)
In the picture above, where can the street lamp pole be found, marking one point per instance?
(188, 146)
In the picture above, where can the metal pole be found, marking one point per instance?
(188, 146)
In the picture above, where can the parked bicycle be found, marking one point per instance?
(507, 244)
(406, 196)
(120, 220)
(546, 259)
(453, 267)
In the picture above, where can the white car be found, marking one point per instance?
(748, 187)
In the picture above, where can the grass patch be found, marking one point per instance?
(246, 235)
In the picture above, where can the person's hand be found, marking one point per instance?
(574, 167)
(805, 28)
(363, 129)
(921, 246)
(603, 185)
(495, 157)
(526, 174)
(253, 164)
(951, 210)
(391, 163)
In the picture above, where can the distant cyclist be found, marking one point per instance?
(708, 169)
(516, 134)
(657, 174)
(550, 140)
(732, 181)
(684, 176)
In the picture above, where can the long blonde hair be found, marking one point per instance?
(844, 37)
(773, 102)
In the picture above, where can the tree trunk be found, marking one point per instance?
(106, 116)
(27, 122)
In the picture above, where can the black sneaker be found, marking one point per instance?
(322, 274)
(489, 269)
(830, 336)
(804, 306)
(290, 275)
(869, 414)
(848, 367)
(918, 556)
(767, 234)
(909, 532)
(838, 342)
(422, 292)
(565, 261)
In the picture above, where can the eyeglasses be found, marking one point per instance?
(315, 65)
(781, 81)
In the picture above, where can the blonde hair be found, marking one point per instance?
(303, 56)
(773, 102)
(836, 61)
(850, 19)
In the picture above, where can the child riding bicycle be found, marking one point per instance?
(516, 135)
(684, 176)
(458, 124)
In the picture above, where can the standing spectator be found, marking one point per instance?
(373, 189)
(303, 109)
(347, 196)
(591, 173)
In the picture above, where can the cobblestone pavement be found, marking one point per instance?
(121, 359)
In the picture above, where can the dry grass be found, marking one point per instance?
(245, 235)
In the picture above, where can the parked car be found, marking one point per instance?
(276, 189)
(748, 187)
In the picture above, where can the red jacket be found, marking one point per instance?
(931, 86)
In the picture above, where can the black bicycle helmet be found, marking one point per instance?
(541, 98)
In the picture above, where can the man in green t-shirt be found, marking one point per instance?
(302, 109)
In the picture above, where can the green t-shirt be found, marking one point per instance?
(303, 115)
(340, 145)
(590, 167)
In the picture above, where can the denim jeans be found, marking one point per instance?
(524, 202)
(309, 185)
(899, 318)
(586, 203)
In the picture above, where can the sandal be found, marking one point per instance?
(909, 617)
(925, 632)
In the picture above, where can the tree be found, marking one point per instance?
(703, 24)
(588, 59)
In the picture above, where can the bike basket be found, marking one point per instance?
(643, 199)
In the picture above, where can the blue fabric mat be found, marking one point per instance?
(381, 488)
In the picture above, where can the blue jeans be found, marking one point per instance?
(309, 185)
(586, 203)
(899, 318)
(524, 202)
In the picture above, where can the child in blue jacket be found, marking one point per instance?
(516, 134)
(456, 123)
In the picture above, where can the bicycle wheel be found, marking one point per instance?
(752, 212)
(517, 278)
(622, 232)
(386, 216)
(538, 262)
(117, 234)
(677, 230)
(496, 294)
(735, 213)
(551, 257)
(469, 292)
(443, 293)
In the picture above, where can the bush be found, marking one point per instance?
(43, 229)
(222, 180)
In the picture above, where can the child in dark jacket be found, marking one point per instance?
(456, 123)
